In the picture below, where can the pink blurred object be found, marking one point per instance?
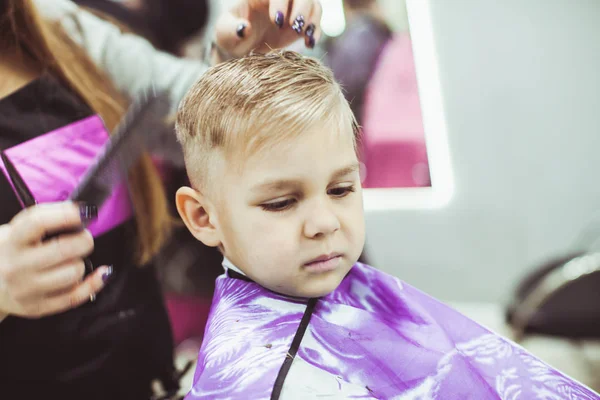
(393, 149)
(188, 315)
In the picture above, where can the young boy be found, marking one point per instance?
(270, 148)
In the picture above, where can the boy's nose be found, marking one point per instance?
(320, 221)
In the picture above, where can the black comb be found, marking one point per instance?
(140, 128)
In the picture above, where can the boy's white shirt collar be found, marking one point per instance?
(229, 265)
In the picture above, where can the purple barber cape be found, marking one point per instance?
(374, 337)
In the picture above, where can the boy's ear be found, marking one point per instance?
(192, 208)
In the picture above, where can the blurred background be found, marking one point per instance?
(480, 152)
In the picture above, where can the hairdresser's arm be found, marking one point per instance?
(134, 65)
(130, 61)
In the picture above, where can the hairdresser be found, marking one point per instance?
(104, 335)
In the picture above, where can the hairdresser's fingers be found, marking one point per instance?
(279, 10)
(312, 33)
(32, 224)
(77, 295)
(233, 29)
(301, 11)
(58, 250)
(59, 278)
(251, 25)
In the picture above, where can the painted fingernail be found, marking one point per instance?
(107, 274)
(310, 30)
(240, 30)
(88, 212)
(310, 43)
(298, 24)
(279, 19)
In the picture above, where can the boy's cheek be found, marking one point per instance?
(277, 246)
(354, 217)
(279, 259)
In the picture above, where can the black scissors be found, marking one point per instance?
(27, 200)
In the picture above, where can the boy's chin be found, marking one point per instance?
(307, 294)
(320, 288)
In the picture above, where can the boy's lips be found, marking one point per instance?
(325, 262)
(324, 257)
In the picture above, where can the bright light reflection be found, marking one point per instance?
(333, 21)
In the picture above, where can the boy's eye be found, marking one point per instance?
(281, 205)
(341, 191)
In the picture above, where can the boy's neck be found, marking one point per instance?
(229, 265)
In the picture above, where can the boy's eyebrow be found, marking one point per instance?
(283, 184)
(346, 170)
(277, 185)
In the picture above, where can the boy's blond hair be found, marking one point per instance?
(241, 106)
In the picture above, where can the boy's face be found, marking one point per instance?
(292, 220)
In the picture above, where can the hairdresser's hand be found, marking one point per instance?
(39, 278)
(262, 25)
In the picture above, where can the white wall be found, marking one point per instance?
(521, 93)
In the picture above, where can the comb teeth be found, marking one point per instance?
(140, 127)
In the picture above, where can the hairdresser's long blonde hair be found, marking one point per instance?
(52, 50)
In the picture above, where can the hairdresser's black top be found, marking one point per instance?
(109, 349)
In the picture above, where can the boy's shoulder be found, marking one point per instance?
(374, 331)
(370, 288)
